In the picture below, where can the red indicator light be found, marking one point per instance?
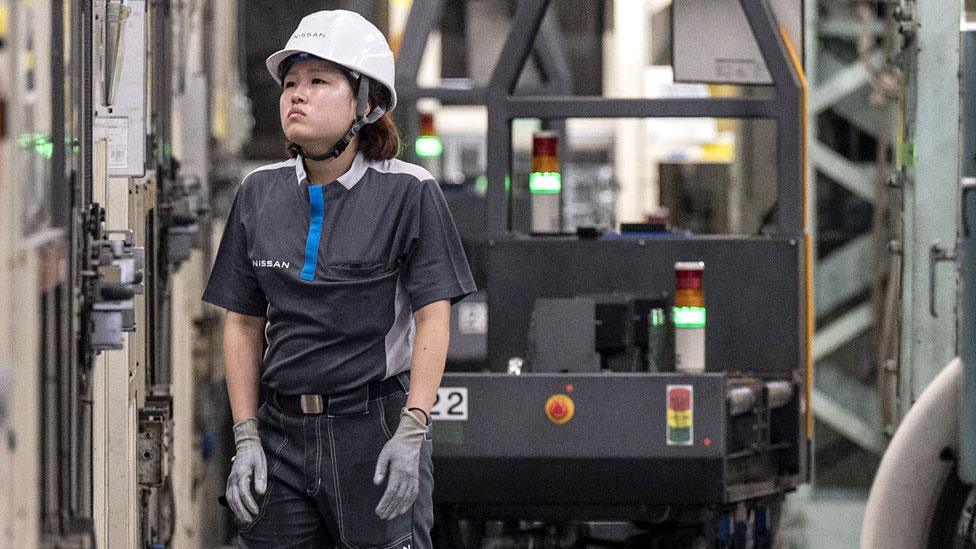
(679, 399)
(707, 442)
(688, 289)
(427, 124)
(545, 143)
(688, 280)
(545, 152)
(569, 388)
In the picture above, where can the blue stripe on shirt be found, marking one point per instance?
(317, 199)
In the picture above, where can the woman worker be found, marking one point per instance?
(346, 261)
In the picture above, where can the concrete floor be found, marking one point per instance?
(818, 518)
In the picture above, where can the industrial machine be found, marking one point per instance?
(597, 394)
(923, 494)
(572, 418)
(107, 110)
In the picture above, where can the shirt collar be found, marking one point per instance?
(347, 180)
(300, 170)
(355, 173)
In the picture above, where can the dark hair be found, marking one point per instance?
(377, 141)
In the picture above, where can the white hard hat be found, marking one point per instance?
(345, 38)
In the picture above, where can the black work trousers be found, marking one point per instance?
(320, 481)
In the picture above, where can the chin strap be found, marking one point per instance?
(362, 118)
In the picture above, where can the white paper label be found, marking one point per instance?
(116, 132)
(451, 404)
(473, 318)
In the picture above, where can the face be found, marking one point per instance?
(317, 105)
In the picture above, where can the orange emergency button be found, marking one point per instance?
(560, 409)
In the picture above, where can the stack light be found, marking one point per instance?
(428, 145)
(680, 415)
(689, 317)
(545, 177)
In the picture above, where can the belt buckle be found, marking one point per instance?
(312, 404)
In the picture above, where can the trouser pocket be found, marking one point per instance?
(272, 442)
(356, 442)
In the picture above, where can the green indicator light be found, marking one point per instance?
(41, 144)
(679, 435)
(481, 184)
(545, 183)
(657, 317)
(46, 150)
(28, 140)
(428, 146)
(689, 317)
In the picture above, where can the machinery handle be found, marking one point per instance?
(937, 253)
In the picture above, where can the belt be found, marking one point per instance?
(347, 403)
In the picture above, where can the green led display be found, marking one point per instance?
(689, 317)
(428, 146)
(545, 183)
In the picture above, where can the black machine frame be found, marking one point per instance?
(530, 20)
(780, 264)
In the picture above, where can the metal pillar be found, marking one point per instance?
(632, 168)
(967, 264)
(928, 151)
(967, 335)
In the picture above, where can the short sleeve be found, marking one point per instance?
(233, 284)
(437, 268)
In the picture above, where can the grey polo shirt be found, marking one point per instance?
(337, 269)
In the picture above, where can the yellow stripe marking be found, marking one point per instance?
(807, 240)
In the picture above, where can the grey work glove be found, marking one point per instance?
(249, 463)
(400, 457)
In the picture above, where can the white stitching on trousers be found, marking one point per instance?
(338, 492)
(318, 455)
(386, 429)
